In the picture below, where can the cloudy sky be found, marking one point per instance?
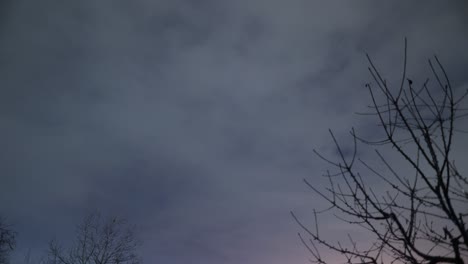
(195, 120)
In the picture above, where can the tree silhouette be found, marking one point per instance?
(421, 214)
(111, 241)
(7, 241)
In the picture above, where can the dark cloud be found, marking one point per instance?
(194, 120)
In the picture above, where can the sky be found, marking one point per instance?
(195, 120)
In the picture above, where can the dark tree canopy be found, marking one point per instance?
(7, 241)
(421, 215)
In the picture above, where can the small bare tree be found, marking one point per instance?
(111, 241)
(421, 215)
(7, 241)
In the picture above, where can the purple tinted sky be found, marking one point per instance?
(196, 120)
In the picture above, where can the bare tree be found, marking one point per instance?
(111, 241)
(7, 241)
(421, 214)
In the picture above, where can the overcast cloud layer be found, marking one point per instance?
(196, 120)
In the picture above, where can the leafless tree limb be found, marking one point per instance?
(421, 217)
(98, 242)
